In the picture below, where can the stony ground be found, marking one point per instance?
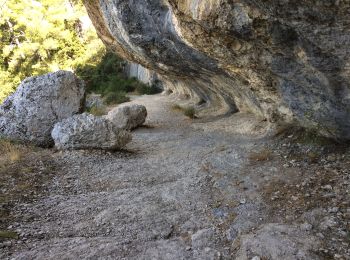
(183, 189)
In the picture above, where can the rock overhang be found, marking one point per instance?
(281, 60)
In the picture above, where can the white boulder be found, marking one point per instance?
(128, 116)
(86, 131)
(39, 102)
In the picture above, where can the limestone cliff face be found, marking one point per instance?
(134, 70)
(284, 60)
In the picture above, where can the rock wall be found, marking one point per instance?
(286, 61)
(141, 73)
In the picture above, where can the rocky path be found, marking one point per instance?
(183, 189)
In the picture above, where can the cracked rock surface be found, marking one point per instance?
(85, 131)
(39, 102)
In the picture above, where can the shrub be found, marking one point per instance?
(97, 110)
(176, 107)
(187, 111)
(107, 78)
(8, 235)
(142, 88)
(190, 112)
(11, 152)
(114, 98)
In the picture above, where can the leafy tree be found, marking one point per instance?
(37, 37)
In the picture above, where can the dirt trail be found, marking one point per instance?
(183, 189)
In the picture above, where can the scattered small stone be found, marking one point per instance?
(331, 158)
(243, 201)
(327, 187)
(333, 210)
(306, 227)
(295, 198)
(328, 222)
(7, 243)
(320, 235)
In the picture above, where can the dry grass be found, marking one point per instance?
(313, 157)
(261, 156)
(24, 170)
(11, 152)
(187, 111)
(8, 235)
(176, 107)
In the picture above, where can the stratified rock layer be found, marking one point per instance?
(39, 102)
(287, 61)
(86, 131)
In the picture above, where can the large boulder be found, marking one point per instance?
(31, 112)
(86, 131)
(128, 116)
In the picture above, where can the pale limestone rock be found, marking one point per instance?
(86, 131)
(128, 116)
(38, 103)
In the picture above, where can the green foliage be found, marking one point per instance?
(102, 72)
(177, 107)
(43, 36)
(113, 98)
(148, 90)
(97, 111)
(190, 112)
(8, 83)
(187, 111)
(37, 37)
(8, 235)
(107, 78)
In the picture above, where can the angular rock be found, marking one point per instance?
(128, 116)
(86, 131)
(39, 102)
(286, 61)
